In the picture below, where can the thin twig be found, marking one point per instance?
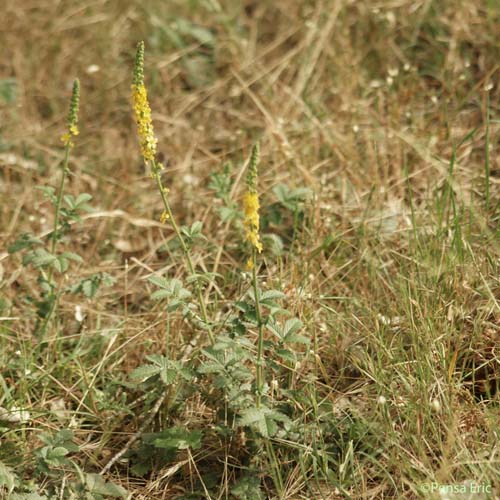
(138, 434)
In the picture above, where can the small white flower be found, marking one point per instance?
(381, 400)
(190, 180)
(436, 405)
(391, 18)
(78, 313)
(488, 87)
(14, 415)
(384, 319)
(93, 68)
(375, 84)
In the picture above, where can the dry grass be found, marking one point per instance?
(362, 102)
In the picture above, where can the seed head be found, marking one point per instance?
(139, 64)
(252, 169)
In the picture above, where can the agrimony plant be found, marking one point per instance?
(148, 144)
(67, 208)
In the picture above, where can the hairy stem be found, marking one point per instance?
(185, 249)
(260, 343)
(54, 233)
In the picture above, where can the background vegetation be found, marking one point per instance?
(379, 186)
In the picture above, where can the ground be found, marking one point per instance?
(367, 363)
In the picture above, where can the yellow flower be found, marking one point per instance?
(164, 217)
(251, 202)
(144, 122)
(66, 139)
(251, 219)
(142, 109)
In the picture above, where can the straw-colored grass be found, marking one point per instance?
(387, 112)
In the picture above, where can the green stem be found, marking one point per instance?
(54, 232)
(187, 255)
(487, 155)
(278, 480)
(260, 343)
(259, 382)
(58, 202)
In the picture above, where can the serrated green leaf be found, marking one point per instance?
(196, 227)
(60, 264)
(57, 452)
(82, 198)
(8, 90)
(168, 375)
(255, 417)
(27, 496)
(275, 328)
(48, 192)
(26, 240)
(96, 484)
(248, 488)
(159, 281)
(291, 326)
(297, 339)
(274, 243)
(69, 200)
(272, 294)
(263, 419)
(41, 257)
(7, 478)
(179, 438)
(286, 355)
(88, 288)
(72, 256)
(173, 305)
(161, 294)
(142, 373)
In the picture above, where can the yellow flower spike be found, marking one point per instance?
(72, 115)
(251, 203)
(142, 109)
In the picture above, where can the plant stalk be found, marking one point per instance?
(260, 343)
(187, 255)
(54, 233)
